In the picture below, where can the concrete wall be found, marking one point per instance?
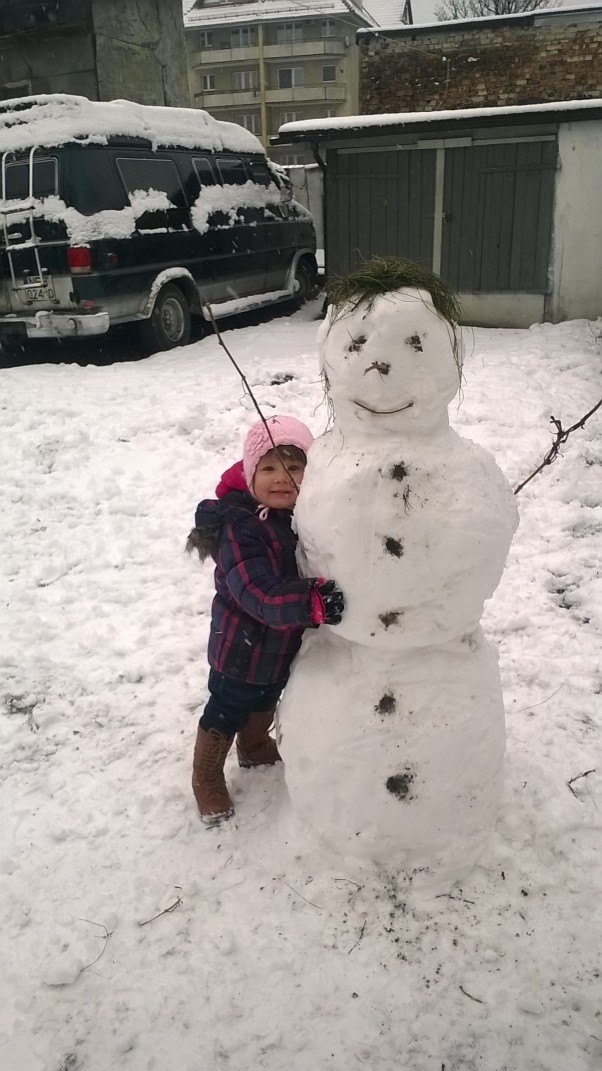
(108, 49)
(51, 59)
(576, 265)
(140, 51)
(522, 61)
(309, 190)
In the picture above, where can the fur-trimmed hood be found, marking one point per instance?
(210, 517)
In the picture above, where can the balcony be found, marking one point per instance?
(219, 57)
(214, 57)
(242, 98)
(307, 94)
(329, 46)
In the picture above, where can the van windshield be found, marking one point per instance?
(45, 178)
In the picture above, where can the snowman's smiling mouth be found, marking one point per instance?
(383, 412)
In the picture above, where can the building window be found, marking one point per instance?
(329, 73)
(328, 28)
(242, 37)
(289, 31)
(205, 39)
(289, 77)
(244, 80)
(208, 82)
(250, 121)
(290, 160)
(288, 117)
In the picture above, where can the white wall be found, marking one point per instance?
(308, 183)
(576, 260)
(502, 309)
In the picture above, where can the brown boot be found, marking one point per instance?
(208, 782)
(254, 745)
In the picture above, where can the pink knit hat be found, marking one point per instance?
(285, 431)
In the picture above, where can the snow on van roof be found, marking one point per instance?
(49, 120)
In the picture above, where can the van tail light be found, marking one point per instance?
(79, 259)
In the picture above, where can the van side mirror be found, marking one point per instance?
(282, 181)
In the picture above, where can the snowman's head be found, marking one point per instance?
(392, 361)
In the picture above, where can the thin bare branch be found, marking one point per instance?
(562, 435)
(359, 938)
(166, 911)
(470, 996)
(247, 387)
(297, 893)
(578, 778)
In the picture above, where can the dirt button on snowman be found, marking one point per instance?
(392, 724)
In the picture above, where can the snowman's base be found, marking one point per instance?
(405, 771)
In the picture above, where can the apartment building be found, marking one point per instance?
(262, 63)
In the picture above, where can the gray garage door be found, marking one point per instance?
(497, 216)
(481, 215)
(379, 204)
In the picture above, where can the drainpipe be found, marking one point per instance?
(263, 105)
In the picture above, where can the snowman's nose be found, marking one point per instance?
(379, 366)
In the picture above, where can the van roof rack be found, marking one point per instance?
(55, 119)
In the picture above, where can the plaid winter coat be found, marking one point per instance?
(261, 605)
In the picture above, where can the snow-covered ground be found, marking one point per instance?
(133, 938)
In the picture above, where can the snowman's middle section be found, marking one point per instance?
(414, 531)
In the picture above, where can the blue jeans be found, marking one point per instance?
(232, 702)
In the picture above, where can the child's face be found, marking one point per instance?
(271, 485)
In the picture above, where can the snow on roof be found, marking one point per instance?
(56, 119)
(593, 11)
(396, 119)
(223, 13)
(386, 12)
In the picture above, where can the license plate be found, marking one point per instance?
(38, 289)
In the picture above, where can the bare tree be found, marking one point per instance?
(476, 9)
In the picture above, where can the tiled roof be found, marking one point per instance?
(223, 12)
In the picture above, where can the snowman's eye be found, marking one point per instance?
(356, 344)
(415, 342)
(398, 471)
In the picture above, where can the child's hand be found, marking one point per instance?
(332, 600)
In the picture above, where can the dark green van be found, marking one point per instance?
(114, 213)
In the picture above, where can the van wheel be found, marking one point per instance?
(304, 284)
(169, 325)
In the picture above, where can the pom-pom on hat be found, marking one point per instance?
(285, 431)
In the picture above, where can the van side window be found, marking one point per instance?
(259, 172)
(204, 170)
(45, 178)
(233, 172)
(147, 174)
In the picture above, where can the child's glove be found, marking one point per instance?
(328, 603)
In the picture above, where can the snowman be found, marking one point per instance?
(392, 724)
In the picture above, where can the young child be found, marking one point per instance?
(261, 604)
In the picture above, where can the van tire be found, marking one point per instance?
(169, 324)
(305, 284)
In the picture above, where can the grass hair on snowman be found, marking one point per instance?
(387, 275)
